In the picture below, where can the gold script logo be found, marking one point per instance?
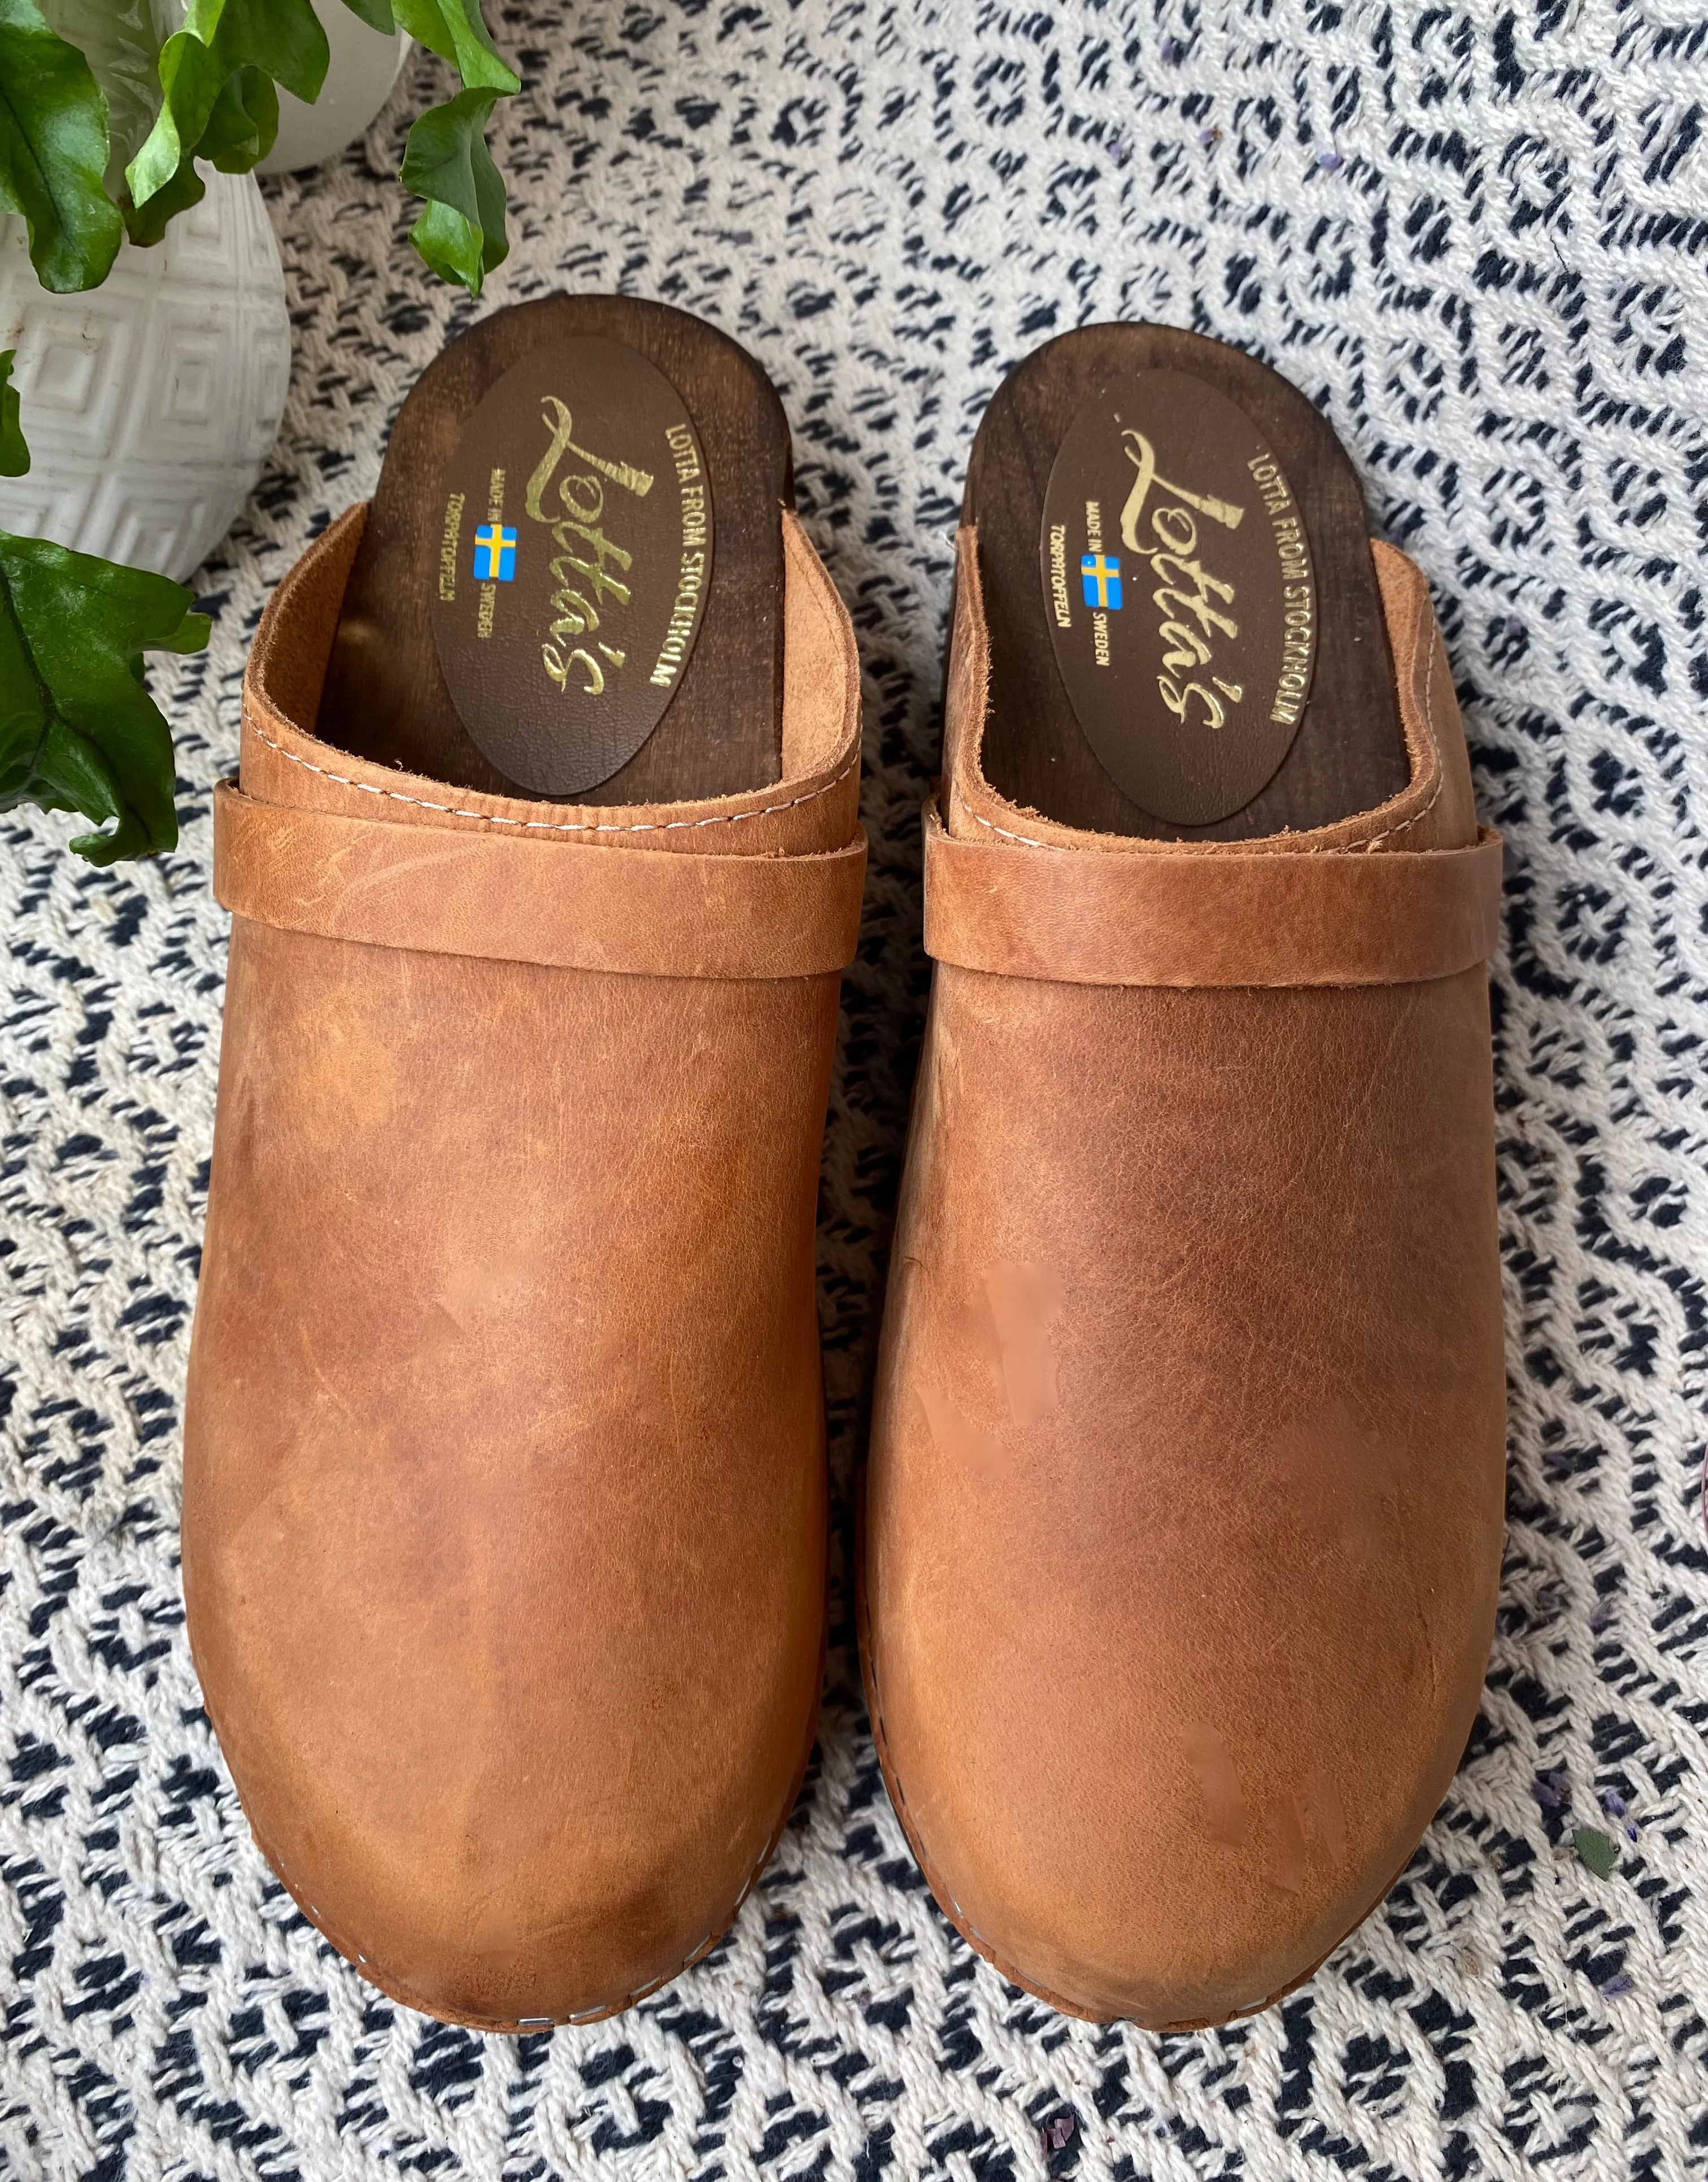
(1186, 587)
(585, 558)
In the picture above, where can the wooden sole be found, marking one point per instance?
(387, 697)
(1347, 753)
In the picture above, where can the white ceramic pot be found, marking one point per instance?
(151, 402)
(365, 65)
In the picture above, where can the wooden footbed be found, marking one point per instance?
(387, 697)
(1347, 753)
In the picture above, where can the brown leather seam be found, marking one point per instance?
(1375, 842)
(1026, 841)
(1333, 848)
(542, 825)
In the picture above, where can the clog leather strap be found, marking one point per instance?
(572, 906)
(1085, 916)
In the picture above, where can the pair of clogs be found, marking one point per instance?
(505, 1504)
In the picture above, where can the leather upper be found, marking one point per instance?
(1183, 1515)
(517, 898)
(503, 1523)
(1023, 910)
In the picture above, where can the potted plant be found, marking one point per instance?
(105, 112)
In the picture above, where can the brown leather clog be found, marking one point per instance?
(1183, 1515)
(504, 1523)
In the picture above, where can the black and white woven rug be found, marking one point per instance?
(1478, 236)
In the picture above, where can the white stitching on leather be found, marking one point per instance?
(544, 825)
(1436, 749)
(1002, 830)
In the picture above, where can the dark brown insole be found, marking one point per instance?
(1242, 744)
(609, 665)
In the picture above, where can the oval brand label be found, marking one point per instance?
(575, 554)
(1179, 595)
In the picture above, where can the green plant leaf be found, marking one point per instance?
(455, 29)
(1595, 1850)
(376, 13)
(146, 224)
(53, 151)
(217, 76)
(14, 451)
(192, 79)
(243, 124)
(460, 234)
(77, 729)
(282, 36)
(118, 40)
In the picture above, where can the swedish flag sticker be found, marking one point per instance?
(1100, 580)
(495, 555)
